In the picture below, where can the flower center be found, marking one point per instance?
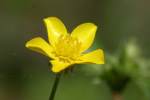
(67, 48)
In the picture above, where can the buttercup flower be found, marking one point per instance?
(66, 49)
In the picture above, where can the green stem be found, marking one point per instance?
(55, 85)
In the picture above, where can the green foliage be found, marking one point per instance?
(126, 70)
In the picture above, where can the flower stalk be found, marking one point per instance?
(116, 96)
(55, 86)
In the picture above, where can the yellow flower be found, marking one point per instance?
(66, 49)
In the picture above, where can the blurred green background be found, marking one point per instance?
(25, 75)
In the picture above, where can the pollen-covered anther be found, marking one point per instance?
(68, 48)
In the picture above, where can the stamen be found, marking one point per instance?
(68, 48)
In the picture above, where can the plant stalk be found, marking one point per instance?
(55, 86)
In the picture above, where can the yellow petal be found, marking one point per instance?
(58, 66)
(85, 33)
(40, 45)
(96, 57)
(55, 29)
